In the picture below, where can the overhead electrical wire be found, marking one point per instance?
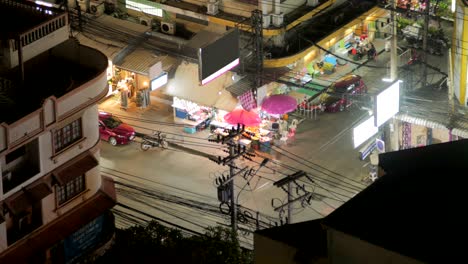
(351, 186)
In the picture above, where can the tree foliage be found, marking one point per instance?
(155, 243)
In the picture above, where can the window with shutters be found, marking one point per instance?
(67, 135)
(71, 189)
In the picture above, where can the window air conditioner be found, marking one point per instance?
(212, 7)
(277, 19)
(168, 28)
(145, 21)
(96, 7)
(266, 20)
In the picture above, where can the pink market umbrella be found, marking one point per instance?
(242, 116)
(279, 104)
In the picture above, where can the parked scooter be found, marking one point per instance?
(157, 140)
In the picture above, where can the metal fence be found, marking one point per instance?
(307, 109)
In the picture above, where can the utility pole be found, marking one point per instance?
(393, 44)
(288, 180)
(231, 190)
(78, 9)
(226, 192)
(257, 26)
(425, 35)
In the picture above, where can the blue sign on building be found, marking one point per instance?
(84, 239)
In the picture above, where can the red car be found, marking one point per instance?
(339, 95)
(114, 130)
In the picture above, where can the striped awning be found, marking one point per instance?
(419, 121)
(460, 126)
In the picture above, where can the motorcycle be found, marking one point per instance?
(156, 140)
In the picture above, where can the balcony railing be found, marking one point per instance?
(40, 31)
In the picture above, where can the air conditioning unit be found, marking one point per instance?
(313, 2)
(96, 7)
(212, 7)
(168, 28)
(145, 21)
(266, 20)
(277, 19)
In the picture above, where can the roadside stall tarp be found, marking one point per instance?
(140, 60)
(185, 85)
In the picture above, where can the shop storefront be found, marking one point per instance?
(197, 106)
(415, 132)
(339, 42)
(138, 74)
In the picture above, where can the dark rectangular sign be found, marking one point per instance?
(218, 56)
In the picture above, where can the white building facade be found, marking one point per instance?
(51, 192)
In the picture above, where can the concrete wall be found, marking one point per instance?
(440, 135)
(288, 6)
(50, 161)
(345, 249)
(38, 46)
(35, 123)
(306, 56)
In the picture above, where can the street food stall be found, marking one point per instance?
(193, 116)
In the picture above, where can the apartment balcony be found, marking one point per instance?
(58, 83)
(32, 237)
(40, 28)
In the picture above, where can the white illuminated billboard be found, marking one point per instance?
(364, 131)
(159, 81)
(387, 104)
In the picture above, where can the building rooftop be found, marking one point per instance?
(320, 26)
(310, 236)
(416, 208)
(27, 16)
(51, 73)
(288, 18)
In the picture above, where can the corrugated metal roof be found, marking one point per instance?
(140, 60)
(122, 24)
(240, 87)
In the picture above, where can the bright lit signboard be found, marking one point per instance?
(364, 131)
(387, 104)
(150, 8)
(216, 74)
(159, 81)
